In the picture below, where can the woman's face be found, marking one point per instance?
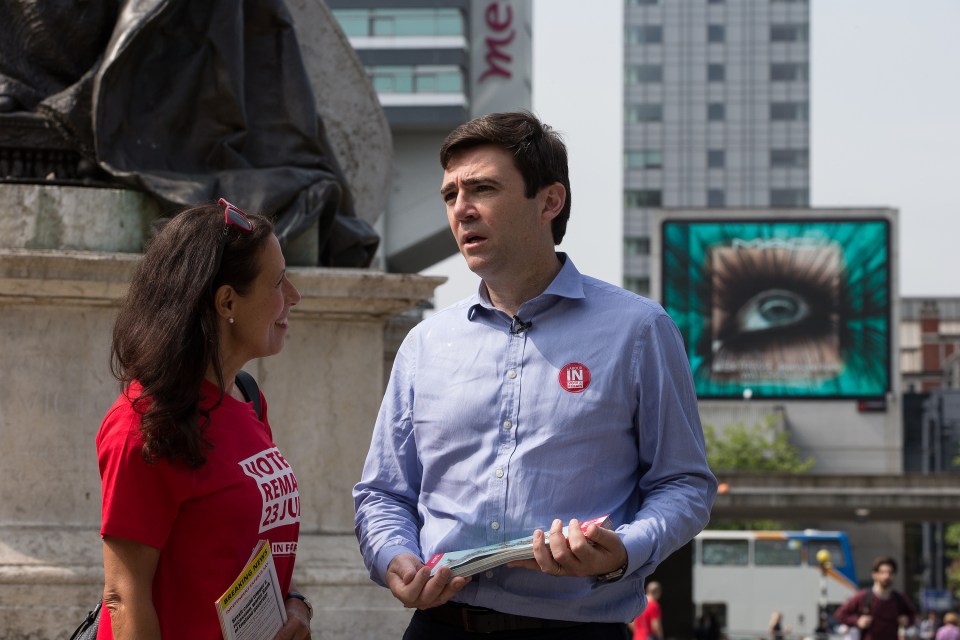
(260, 318)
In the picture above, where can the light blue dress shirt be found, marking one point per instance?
(485, 435)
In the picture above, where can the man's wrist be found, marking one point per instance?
(296, 595)
(614, 575)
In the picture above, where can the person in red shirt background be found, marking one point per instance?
(649, 624)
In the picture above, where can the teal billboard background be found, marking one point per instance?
(781, 308)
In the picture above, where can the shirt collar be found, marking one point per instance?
(568, 283)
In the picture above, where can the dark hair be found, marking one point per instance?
(882, 560)
(538, 153)
(165, 336)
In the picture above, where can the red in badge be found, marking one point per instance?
(574, 377)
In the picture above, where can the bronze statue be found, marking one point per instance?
(187, 101)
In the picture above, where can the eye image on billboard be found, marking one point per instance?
(781, 308)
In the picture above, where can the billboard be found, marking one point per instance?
(796, 308)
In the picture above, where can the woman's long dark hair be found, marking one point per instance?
(165, 335)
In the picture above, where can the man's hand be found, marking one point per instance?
(592, 553)
(410, 583)
(864, 621)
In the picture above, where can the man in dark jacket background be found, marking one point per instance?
(880, 611)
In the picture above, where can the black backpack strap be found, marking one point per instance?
(867, 603)
(250, 390)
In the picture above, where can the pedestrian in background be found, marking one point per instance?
(881, 611)
(949, 630)
(649, 624)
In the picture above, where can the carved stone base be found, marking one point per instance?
(56, 316)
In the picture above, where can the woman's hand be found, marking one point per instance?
(298, 621)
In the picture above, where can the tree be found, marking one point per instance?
(759, 448)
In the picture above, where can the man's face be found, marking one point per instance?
(497, 228)
(883, 576)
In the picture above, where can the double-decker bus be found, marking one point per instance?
(741, 578)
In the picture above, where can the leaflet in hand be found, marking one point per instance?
(471, 561)
(252, 608)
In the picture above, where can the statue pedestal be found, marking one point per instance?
(56, 317)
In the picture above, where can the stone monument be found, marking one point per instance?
(67, 250)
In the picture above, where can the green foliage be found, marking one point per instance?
(756, 449)
(760, 448)
(952, 539)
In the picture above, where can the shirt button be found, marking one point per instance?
(507, 424)
(495, 525)
(499, 473)
(511, 374)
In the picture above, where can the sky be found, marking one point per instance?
(885, 127)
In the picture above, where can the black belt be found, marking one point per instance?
(480, 620)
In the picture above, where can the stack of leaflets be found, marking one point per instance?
(252, 608)
(471, 561)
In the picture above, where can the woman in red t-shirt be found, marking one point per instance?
(191, 477)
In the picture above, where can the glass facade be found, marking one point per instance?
(789, 33)
(643, 198)
(646, 34)
(643, 159)
(717, 93)
(645, 113)
(789, 111)
(716, 158)
(643, 73)
(416, 79)
(400, 22)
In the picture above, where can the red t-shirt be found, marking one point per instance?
(642, 626)
(205, 521)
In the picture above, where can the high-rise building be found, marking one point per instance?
(717, 106)
(434, 64)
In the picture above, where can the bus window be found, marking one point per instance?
(837, 558)
(724, 552)
(777, 553)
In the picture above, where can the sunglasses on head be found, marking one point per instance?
(235, 218)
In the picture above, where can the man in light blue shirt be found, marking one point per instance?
(546, 398)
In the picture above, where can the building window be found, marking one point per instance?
(645, 34)
(789, 72)
(716, 112)
(789, 111)
(645, 113)
(416, 79)
(644, 159)
(716, 158)
(716, 73)
(643, 3)
(636, 246)
(644, 73)
(789, 158)
(716, 198)
(789, 198)
(640, 286)
(635, 198)
(400, 22)
(789, 33)
(716, 33)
